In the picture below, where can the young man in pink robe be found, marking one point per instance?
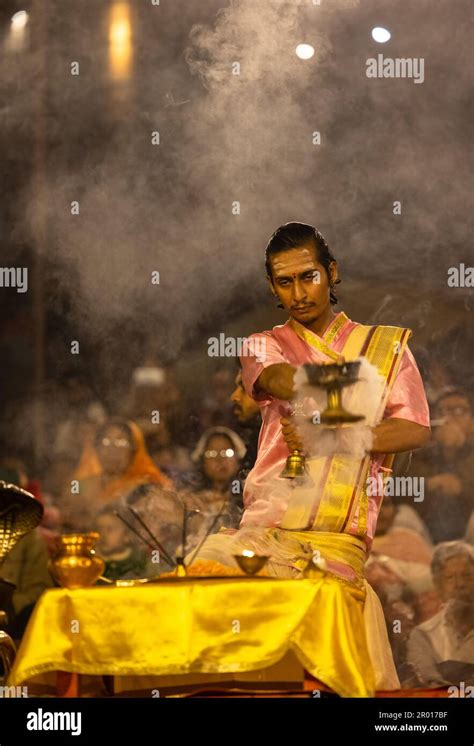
(295, 255)
(334, 519)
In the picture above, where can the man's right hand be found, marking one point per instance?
(290, 434)
(277, 380)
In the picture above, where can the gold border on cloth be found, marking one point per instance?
(340, 481)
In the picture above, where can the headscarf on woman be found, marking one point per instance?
(141, 468)
(97, 488)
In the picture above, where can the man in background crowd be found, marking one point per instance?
(247, 412)
(447, 467)
(441, 650)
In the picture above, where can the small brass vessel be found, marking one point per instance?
(75, 563)
(251, 563)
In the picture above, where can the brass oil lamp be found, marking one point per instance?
(251, 563)
(333, 378)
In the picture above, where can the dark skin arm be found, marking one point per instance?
(390, 436)
(277, 380)
(396, 435)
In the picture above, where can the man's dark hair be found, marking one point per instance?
(294, 236)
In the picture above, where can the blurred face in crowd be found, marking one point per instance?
(455, 410)
(221, 384)
(146, 398)
(115, 450)
(13, 470)
(157, 436)
(400, 611)
(78, 391)
(58, 476)
(386, 516)
(455, 580)
(220, 463)
(113, 534)
(245, 408)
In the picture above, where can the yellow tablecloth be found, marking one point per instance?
(207, 626)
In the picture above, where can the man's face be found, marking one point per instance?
(456, 579)
(245, 408)
(456, 410)
(113, 535)
(301, 283)
(221, 384)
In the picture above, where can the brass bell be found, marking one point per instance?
(295, 466)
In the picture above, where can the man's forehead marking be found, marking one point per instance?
(283, 266)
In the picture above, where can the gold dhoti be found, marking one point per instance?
(349, 640)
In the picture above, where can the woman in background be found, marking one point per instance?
(218, 454)
(116, 465)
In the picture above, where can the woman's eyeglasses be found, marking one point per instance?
(116, 442)
(225, 453)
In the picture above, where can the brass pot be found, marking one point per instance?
(75, 563)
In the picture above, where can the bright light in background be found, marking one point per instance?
(16, 39)
(381, 34)
(19, 20)
(304, 51)
(120, 41)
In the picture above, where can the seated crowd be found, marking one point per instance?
(189, 467)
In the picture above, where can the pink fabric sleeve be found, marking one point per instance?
(407, 399)
(263, 350)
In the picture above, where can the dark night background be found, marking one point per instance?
(223, 138)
